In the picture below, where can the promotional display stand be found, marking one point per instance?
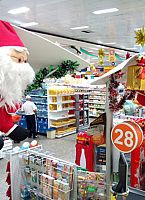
(26, 175)
(109, 116)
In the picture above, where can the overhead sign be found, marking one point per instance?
(111, 55)
(127, 136)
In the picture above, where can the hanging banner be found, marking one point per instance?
(111, 55)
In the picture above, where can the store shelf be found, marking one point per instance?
(61, 117)
(96, 107)
(97, 103)
(65, 134)
(93, 115)
(39, 103)
(52, 111)
(62, 102)
(62, 125)
(61, 95)
(97, 98)
(35, 95)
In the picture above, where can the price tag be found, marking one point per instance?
(126, 136)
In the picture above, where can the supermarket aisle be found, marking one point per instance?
(64, 148)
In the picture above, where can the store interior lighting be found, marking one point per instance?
(97, 12)
(19, 10)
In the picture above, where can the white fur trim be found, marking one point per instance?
(13, 128)
(17, 48)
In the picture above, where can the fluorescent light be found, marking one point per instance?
(105, 11)
(80, 27)
(131, 48)
(29, 24)
(19, 10)
(111, 43)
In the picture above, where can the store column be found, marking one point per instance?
(109, 125)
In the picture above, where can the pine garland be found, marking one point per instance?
(52, 72)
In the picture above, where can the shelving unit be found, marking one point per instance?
(61, 108)
(82, 111)
(97, 101)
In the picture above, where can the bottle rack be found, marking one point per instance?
(61, 110)
(82, 111)
(29, 166)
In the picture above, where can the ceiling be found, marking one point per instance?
(58, 16)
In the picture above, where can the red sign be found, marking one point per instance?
(126, 136)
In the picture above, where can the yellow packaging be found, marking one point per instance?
(133, 78)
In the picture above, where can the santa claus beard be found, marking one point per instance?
(14, 78)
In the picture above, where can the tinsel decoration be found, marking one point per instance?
(114, 105)
(101, 55)
(140, 36)
(52, 72)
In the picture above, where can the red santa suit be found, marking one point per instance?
(9, 40)
(6, 122)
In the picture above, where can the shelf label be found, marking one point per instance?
(126, 136)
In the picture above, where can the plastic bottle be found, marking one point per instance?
(83, 159)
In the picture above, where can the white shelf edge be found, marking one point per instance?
(54, 111)
(62, 102)
(62, 125)
(65, 134)
(55, 95)
(62, 117)
(98, 103)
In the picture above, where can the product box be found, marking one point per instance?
(134, 80)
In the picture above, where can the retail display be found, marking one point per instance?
(97, 101)
(82, 111)
(91, 185)
(61, 110)
(42, 176)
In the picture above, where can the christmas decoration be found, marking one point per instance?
(101, 55)
(15, 75)
(52, 72)
(114, 105)
(128, 55)
(140, 36)
(95, 55)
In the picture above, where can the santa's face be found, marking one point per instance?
(15, 75)
(18, 57)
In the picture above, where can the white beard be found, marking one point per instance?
(14, 78)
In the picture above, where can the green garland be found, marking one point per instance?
(51, 72)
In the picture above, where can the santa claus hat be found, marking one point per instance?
(141, 97)
(9, 37)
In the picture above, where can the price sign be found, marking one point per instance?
(126, 136)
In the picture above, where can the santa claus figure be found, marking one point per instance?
(15, 75)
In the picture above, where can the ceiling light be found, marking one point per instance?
(105, 11)
(132, 48)
(80, 27)
(111, 43)
(29, 24)
(19, 10)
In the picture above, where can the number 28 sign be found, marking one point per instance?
(127, 136)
